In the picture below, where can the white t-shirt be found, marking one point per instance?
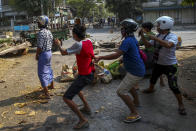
(76, 48)
(167, 56)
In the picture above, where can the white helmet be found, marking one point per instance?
(165, 22)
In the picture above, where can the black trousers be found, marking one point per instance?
(170, 71)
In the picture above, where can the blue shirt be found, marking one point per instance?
(131, 58)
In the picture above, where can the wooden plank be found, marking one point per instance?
(15, 48)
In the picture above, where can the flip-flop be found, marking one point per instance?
(83, 110)
(131, 119)
(147, 91)
(182, 111)
(81, 126)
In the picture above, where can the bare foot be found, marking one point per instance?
(51, 86)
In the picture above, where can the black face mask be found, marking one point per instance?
(123, 32)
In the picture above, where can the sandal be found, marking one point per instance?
(131, 119)
(83, 125)
(44, 96)
(83, 110)
(182, 111)
(147, 91)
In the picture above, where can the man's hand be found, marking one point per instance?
(141, 32)
(97, 59)
(57, 42)
(152, 37)
(37, 57)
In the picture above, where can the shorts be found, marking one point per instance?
(171, 71)
(130, 81)
(79, 83)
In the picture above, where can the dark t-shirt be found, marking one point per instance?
(132, 60)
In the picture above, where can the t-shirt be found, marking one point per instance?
(132, 60)
(45, 40)
(167, 56)
(76, 48)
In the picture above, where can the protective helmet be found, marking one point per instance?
(43, 20)
(130, 25)
(165, 22)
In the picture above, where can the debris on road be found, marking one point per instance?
(32, 113)
(1, 125)
(66, 74)
(3, 114)
(23, 121)
(20, 105)
(102, 73)
(42, 101)
(2, 81)
(20, 112)
(17, 49)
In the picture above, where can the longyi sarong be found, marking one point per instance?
(45, 72)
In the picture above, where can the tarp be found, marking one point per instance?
(21, 28)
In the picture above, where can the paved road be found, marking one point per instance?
(158, 110)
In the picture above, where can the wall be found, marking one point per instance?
(181, 16)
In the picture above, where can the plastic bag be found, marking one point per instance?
(104, 75)
(66, 74)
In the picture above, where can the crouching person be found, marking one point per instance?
(83, 49)
(134, 66)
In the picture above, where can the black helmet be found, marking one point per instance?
(129, 25)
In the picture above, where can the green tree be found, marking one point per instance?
(81, 8)
(33, 7)
(125, 8)
(189, 2)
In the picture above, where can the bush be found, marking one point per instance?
(7, 40)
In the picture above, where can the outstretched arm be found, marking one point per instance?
(115, 55)
(163, 43)
(63, 51)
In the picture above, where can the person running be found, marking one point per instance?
(147, 26)
(44, 55)
(134, 66)
(166, 62)
(83, 48)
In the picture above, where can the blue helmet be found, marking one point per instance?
(43, 20)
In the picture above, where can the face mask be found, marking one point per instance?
(123, 32)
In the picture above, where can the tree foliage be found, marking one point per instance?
(33, 7)
(81, 8)
(189, 2)
(125, 8)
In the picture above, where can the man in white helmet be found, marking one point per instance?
(165, 59)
